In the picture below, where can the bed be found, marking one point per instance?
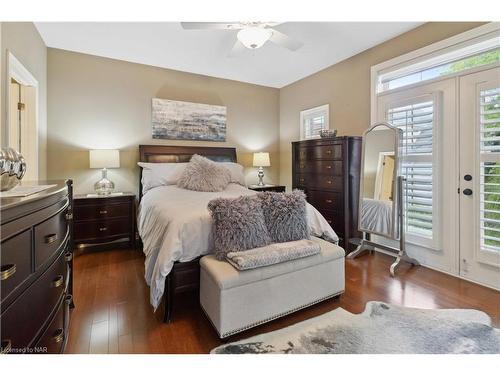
(376, 215)
(176, 228)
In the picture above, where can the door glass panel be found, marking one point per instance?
(489, 122)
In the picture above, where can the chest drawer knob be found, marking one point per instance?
(329, 182)
(7, 271)
(328, 152)
(103, 229)
(6, 346)
(50, 238)
(57, 282)
(103, 212)
(68, 256)
(329, 201)
(58, 335)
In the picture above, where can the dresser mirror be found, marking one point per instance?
(380, 164)
(381, 209)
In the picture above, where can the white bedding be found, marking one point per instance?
(376, 215)
(175, 225)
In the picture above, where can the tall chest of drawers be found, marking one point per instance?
(328, 171)
(36, 270)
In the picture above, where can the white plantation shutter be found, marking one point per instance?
(489, 122)
(313, 121)
(416, 120)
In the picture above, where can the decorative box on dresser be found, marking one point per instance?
(104, 219)
(328, 171)
(36, 270)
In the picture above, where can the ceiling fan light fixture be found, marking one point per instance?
(254, 37)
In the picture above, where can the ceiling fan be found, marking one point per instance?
(251, 35)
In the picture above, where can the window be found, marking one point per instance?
(313, 120)
(417, 123)
(481, 53)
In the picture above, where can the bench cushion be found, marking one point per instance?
(227, 277)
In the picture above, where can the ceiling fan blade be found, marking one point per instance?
(285, 41)
(238, 48)
(211, 25)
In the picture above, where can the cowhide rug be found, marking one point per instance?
(381, 329)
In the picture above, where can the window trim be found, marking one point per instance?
(413, 57)
(305, 112)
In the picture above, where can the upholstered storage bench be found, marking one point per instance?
(235, 300)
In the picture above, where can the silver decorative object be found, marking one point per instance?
(12, 168)
(326, 133)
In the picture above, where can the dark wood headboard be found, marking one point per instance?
(181, 154)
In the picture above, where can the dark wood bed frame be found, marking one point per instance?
(185, 276)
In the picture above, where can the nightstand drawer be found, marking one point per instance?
(101, 229)
(101, 211)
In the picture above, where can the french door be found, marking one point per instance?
(479, 108)
(427, 116)
(451, 160)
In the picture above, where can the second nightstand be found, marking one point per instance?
(99, 220)
(276, 188)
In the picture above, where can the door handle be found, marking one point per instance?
(468, 177)
(467, 192)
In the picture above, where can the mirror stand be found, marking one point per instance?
(401, 255)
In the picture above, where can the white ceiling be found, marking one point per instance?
(205, 52)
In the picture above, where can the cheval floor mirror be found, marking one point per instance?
(381, 201)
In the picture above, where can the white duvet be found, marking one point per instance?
(175, 225)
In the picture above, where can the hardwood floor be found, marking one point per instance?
(113, 314)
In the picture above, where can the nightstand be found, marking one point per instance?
(100, 220)
(275, 188)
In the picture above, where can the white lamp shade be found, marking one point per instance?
(261, 159)
(104, 158)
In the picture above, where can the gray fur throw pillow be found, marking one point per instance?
(202, 174)
(285, 215)
(238, 224)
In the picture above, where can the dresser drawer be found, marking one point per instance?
(15, 257)
(54, 337)
(324, 152)
(22, 320)
(49, 236)
(321, 182)
(330, 167)
(101, 211)
(102, 229)
(325, 200)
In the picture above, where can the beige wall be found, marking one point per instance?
(96, 102)
(25, 43)
(346, 87)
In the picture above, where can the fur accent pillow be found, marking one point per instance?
(285, 215)
(238, 224)
(202, 174)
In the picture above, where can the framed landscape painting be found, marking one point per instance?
(188, 121)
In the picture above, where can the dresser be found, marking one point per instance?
(103, 219)
(328, 171)
(36, 270)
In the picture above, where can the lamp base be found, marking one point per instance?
(261, 177)
(104, 186)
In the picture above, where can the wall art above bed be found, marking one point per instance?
(189, 121)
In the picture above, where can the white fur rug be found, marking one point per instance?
(381, 329)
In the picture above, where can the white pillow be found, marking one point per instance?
(160, 174)
(236, 170)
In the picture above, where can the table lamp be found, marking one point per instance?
(104, 159)
(261, 159)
